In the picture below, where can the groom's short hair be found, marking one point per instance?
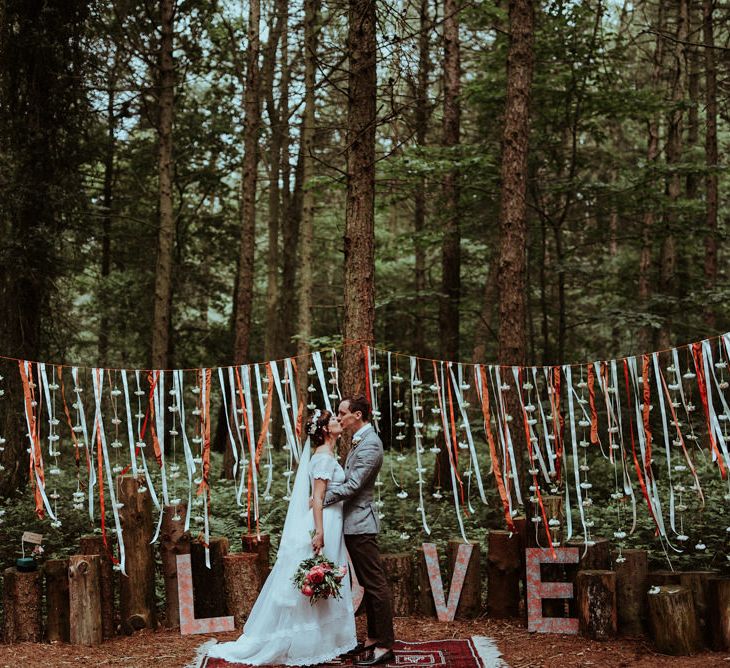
(359, 402)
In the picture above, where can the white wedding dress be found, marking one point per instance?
(283, 627)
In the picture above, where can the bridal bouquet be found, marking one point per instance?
(318, 578)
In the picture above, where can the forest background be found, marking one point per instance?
(182, 182)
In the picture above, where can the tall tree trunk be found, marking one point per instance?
(285, 161)
(165, 167)
(613, 226)
(451, 244)
(247, 205)
(668, 260)
(359, 319)
(484, 328)
(290, 234)
(422, 113)
(545, 261)
(560, 262)
(271, 338)
(711, 158)
(306, 229)
(513, 205)
(693, 89)
(647, 223)
(243, 300)
(106, 221)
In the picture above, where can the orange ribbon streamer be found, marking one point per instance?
(267, 415)
(700, 371)
(454, 445)
(100, 469)
(595, 439)
(152, 378)
(531, 454)
(445, 425)
(646, 398)
(493, 448)
(35, 465)
(558, 417)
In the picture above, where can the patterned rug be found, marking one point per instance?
(476, 652)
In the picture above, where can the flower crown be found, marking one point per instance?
(314, 425)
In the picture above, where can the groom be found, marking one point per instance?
(361, 525)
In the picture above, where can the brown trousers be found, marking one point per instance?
(365, 555)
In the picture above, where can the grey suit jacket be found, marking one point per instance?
(362, 466)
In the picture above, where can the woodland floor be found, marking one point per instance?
(519, 648)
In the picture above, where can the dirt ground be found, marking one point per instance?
(520, 648)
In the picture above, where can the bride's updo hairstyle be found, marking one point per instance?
(316, 427)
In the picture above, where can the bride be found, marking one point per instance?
(283, 627)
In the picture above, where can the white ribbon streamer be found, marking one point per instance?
(98, 380)
(89, 449)
(417, 433)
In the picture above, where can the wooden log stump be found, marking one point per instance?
(503, 574)
(243, 579)
(261, 545)
(137, 589)
(424, 598)
(595, 593)
(57, 602)
(174, 540)
(523, 534)
(470, 603)
(209, 588)
(718, 612)
(84, 585)
(672, 620)
(662, 578)
(95, 545)
(631, 588)
(698, 582)
(22, 602)
(597, 556)
(399, 571)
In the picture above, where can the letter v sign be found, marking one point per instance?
(444, 612)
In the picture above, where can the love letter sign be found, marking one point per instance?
(445, 611)
(188, 623)
(538, 590)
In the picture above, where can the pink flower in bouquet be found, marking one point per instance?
(316, 575)
(307, 590)
(341, 572)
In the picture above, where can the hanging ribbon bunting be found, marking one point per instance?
(576, 463)
(706, 398)
(546, 397)
(103, 454)
(317, 361)
(231, 440)
(416, 409)
(456, 484)
(79, 406)
(480, 378)
(178, 388)
(457, 387)
(32, 420)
